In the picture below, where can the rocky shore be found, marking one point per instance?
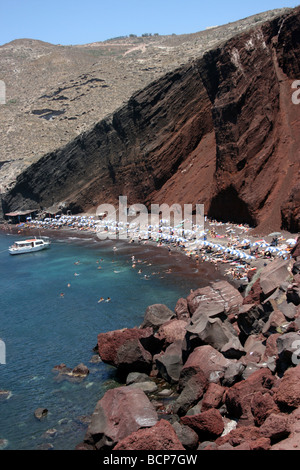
(219, 372)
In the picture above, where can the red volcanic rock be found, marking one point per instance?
(275, 427)
(276, 319)
(238, 397)
(133, 357)
(288, 392)
(245, 438)
(161, 437)
(192, 392)
(213, 397)
(262, 406)
(292, 442)
(112, 343)
(215, 299)
(208, 424)
(169, 363)
(207, 360)
(271, 347)
(171, 331)
(156, 315)
(255, 295)
(120, 412)
(181, 309)
(219, 334)
(273, 275)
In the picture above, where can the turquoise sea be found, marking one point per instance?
(42, 328)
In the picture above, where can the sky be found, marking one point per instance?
(69, 22)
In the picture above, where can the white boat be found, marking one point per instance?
(29, 246)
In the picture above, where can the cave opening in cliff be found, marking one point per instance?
(227, 206)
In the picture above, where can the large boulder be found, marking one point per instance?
(274, 274)
(133, 357)
(262, 406)
(238, 398)
(192, 392)
(181, 309)
(288, 347)
(160, 437)
(188, 437)
(207, 329)
(120, 412)
(124, 349)
(288, 309)
(244, 438)
(254, 295)
(169, 363)
(171, 331)
(287, 395)
(275, 427)
(213, 396)
(207, 300)
(251, 318)
(275, 321)
(230, 295)
(205, 359)
(216, 299)
(110, 342)
(156, 315)
(208, 425)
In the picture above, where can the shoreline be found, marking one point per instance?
(188, 258)
(174, 262)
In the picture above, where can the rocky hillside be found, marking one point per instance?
(204, 118)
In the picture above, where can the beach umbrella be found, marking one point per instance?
(273, 249)
(291, 241)
(234, 252)
(274, 234)
(221, 247)
(281, 253)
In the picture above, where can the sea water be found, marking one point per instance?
(50, 314)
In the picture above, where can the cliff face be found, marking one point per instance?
(221, 130)
(257, 125)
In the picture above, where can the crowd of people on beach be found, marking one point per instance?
(215, 242)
